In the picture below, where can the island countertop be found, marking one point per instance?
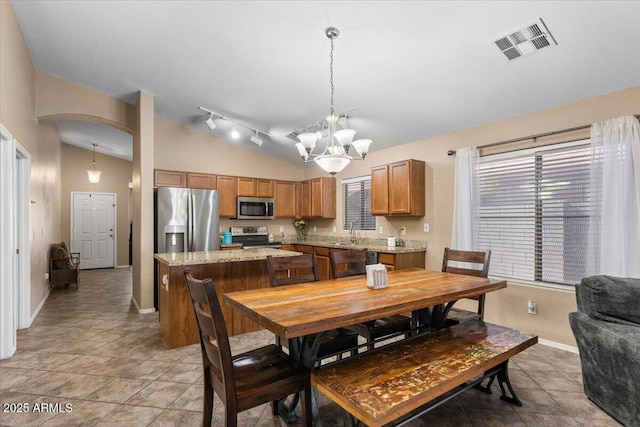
(217, 257)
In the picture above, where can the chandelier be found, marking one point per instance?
(94, 175)
(335, 155)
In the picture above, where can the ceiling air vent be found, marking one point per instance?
(524, 41)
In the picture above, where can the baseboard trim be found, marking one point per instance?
(142, 310)
(122, 266)
(558, 345)
(38, 308)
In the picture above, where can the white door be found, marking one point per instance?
(93, 229)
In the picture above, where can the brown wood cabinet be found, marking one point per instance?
(305, 199)
(245, 186)
(226, 186)
(401, 261)
(164, 178)
(264, 188)
(404, 191)
(323, 265)
(380, 190)
(314, 198)
(254, 187)
(201, 180)
(323, 198)
(285, 199)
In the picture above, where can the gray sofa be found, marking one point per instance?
(607, 330)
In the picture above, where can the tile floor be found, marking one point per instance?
(90, 360)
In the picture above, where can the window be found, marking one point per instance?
(533, 212)
(357, 203)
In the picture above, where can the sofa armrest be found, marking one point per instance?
(610, 358)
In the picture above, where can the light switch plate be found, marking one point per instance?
(380, 230)
(403, 231)
(281, 229)
(314, 229)
(426, 227)
(334, 228)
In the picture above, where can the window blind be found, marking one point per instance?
(357, 203)
(533, 212)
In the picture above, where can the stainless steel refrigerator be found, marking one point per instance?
(187, 220)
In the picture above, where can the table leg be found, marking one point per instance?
(304, 351)
(503, 380)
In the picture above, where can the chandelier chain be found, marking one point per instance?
(331, 75)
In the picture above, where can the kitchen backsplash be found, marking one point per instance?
(366, 241)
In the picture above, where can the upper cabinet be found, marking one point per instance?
(380, 190)
(201, 180)
(164, 178)
(254, 187)
(226, 186)
(264, 188)
(398, 188)
(323, 198)
(285, 199)
(315, 198)
(246, 186)
(305, 199)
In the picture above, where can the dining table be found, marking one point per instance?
(297, 312)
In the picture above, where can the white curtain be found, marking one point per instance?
(464, 196)
(614, 231)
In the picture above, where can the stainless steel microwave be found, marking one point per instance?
(255, 208)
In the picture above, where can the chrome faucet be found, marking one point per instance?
(352, 232)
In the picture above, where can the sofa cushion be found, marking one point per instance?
(610, 298)
(61, 256)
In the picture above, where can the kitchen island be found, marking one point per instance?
(230, 270)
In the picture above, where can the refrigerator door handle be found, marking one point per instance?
(192, 219)
(189, 224)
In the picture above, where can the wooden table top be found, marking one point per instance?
(298, 310)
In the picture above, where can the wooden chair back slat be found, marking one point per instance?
(348, 263)
(292, 270)
(473, 257)
(212, 327)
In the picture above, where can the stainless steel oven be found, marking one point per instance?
(255, 208)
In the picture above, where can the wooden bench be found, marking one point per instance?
(399, 382)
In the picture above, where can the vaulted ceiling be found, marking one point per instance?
(408, 69)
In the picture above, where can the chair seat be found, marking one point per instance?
(382, 327)
(264, 374)
(336, 342)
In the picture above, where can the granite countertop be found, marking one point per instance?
(215, 257)
(341, 244)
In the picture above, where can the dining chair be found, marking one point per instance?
(476, 264)
(246, 380)
(300, 269)
(354, 263)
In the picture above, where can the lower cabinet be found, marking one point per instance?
(322, 263)
(392, 261)
(401, 261)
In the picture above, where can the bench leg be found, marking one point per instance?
(486, 388)
(503, 379)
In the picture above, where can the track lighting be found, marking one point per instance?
(256, 140)
(234, 133)
(210, 123)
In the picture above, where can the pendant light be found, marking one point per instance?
(94, 174)
(335, 155)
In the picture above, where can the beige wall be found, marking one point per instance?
(115, 178)
(17, 114)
